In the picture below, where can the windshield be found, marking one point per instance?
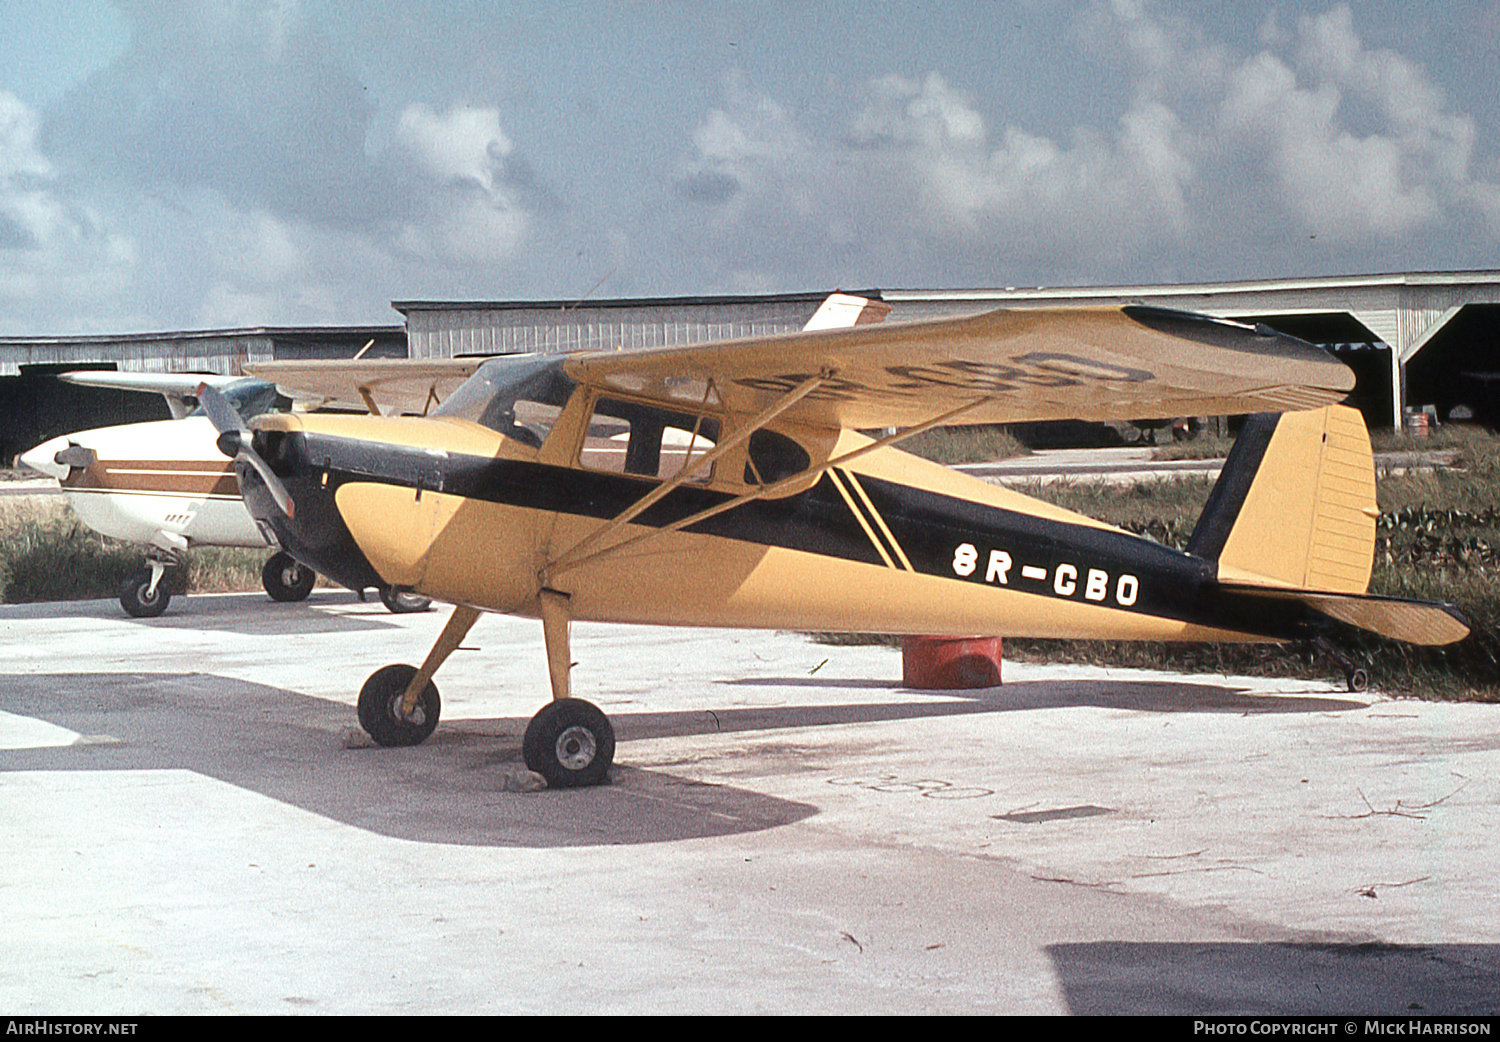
(250, 398)
(513, 395)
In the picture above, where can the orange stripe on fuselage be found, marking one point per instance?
(158, 477)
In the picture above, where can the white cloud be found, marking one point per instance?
(916, 171)
(470, 199)
(1312, 136)
(1359, 144)
(463, 144)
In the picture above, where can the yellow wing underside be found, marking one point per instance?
(1010, 366)
(1000, 367)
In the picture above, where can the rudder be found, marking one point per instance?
(1295, 504)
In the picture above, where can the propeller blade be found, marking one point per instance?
(234, 441)
(273, 483)
(218, 410)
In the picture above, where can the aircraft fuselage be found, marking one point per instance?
(890, 543)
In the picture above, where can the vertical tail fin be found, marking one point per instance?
(1295, 504)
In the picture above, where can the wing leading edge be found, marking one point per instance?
(1004, 366)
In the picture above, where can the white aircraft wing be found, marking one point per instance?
(176, 388)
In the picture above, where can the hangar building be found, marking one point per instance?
(1414, 340)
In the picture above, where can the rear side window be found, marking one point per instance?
(774, 457)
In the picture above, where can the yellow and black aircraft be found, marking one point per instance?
(731, 485)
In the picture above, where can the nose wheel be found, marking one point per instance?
(286, 579)
(143, 595)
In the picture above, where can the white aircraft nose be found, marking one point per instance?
(41, 458)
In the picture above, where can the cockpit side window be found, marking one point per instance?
(631, 438)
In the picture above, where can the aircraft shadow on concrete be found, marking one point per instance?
(225, 613)
(290, 747)
(1287, 979)
(1150, 696)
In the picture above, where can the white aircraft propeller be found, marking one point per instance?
(234, 442)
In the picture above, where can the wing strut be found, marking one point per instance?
(571, 557)
(570, 560)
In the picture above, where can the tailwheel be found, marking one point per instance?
(380, 707)
(287, 579)
(571, 743)
(144, 595)
(1356, 677)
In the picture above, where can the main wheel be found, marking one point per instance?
(138, 602)
(380, 707)
(399, 602)
(570, 743)
(286, 579)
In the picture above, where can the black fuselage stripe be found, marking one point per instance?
(928, 526)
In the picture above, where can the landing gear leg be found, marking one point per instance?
(399, 705)
(570, 742)
(1356, 676)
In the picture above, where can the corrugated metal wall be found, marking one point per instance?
(447, 331)
(165, 354)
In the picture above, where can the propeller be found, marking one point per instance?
(234, 442)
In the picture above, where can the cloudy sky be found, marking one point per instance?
(210, 163)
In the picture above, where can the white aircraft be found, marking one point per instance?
(166, 485)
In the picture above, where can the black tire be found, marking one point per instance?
(571, 743)
(136, 602)
(399, 602)
(1359, 680)
(378, 702)
(287, 579)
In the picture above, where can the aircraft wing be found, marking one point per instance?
(1130, 362)
(176, 388)
(396, 384)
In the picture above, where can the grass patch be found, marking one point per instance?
(983, 443)
(48, 554)
(1204, 446)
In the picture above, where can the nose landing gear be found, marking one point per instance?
(286, 579)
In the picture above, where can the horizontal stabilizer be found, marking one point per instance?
(1416, 622)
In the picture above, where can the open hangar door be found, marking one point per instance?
(1459, 367)
(1354, 345)
(35, 406)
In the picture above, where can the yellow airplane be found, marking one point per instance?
(733, 484)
